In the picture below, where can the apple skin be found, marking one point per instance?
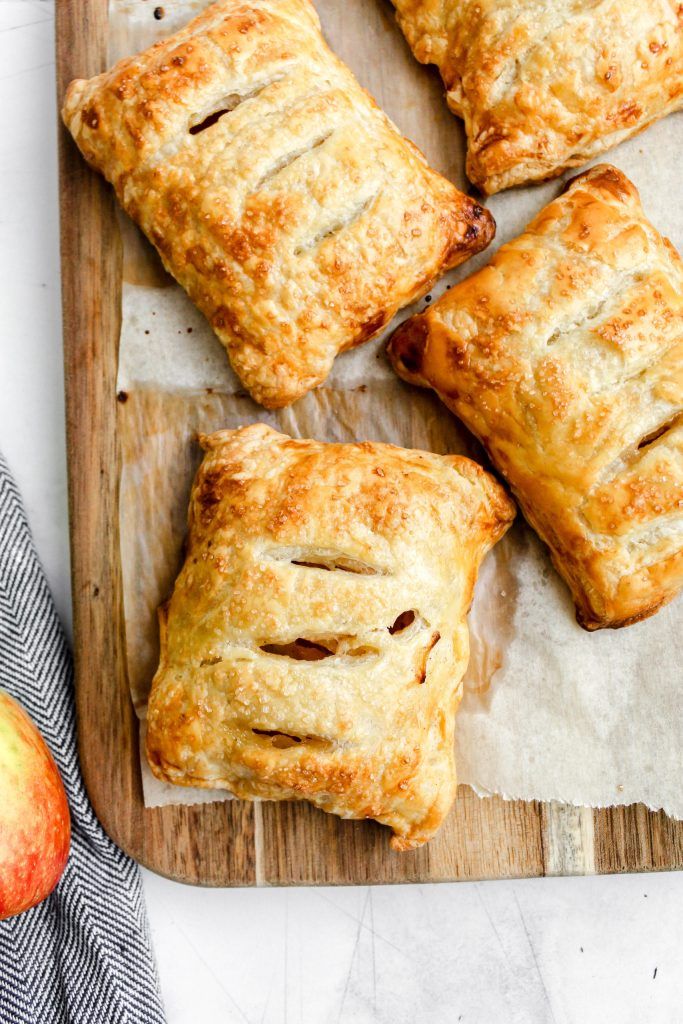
(35, 828)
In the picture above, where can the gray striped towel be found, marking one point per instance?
(84, 955)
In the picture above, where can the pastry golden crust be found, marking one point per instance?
(315, 641)
(281, 198)
(565, 357)
(543, 85)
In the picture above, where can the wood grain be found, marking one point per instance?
(235, 843)
(213, 844)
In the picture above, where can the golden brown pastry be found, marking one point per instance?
(543, 85)
(565, 357)
(282, 199)
(315, 641)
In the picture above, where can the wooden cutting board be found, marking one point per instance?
(237, 843)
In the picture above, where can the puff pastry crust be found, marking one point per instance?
(543, 85)
(315, 641)
(565, 357)
(281, 198)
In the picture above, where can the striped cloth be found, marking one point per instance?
(84, 955)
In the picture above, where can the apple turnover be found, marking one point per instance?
(277, 193)
(543, 85)
(565, 357)
(315, 641)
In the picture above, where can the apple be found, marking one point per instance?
(35, 829)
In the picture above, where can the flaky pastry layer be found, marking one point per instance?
(315, 641)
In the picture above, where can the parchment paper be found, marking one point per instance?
(550, 711)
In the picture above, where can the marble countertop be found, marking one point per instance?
(563, 950)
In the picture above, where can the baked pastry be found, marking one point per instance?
(315, 641)
(282, 199)
(565, 357)
(543, 85)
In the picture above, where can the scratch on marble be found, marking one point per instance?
(286, 978)
(352, 917)
(353, 955)
(534, 957)
(25, 24)
(212, 973)
(492, 923)
(374, 961)
(267, 1002)
(27, 71)
(301, 982)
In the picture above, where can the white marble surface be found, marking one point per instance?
(562, 951)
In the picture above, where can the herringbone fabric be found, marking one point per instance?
(84, 955)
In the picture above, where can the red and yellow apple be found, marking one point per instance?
(35, 829)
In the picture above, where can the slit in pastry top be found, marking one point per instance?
(315, 641)
(216, 109)
(280, 197)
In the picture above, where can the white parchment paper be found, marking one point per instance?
(550, 711)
